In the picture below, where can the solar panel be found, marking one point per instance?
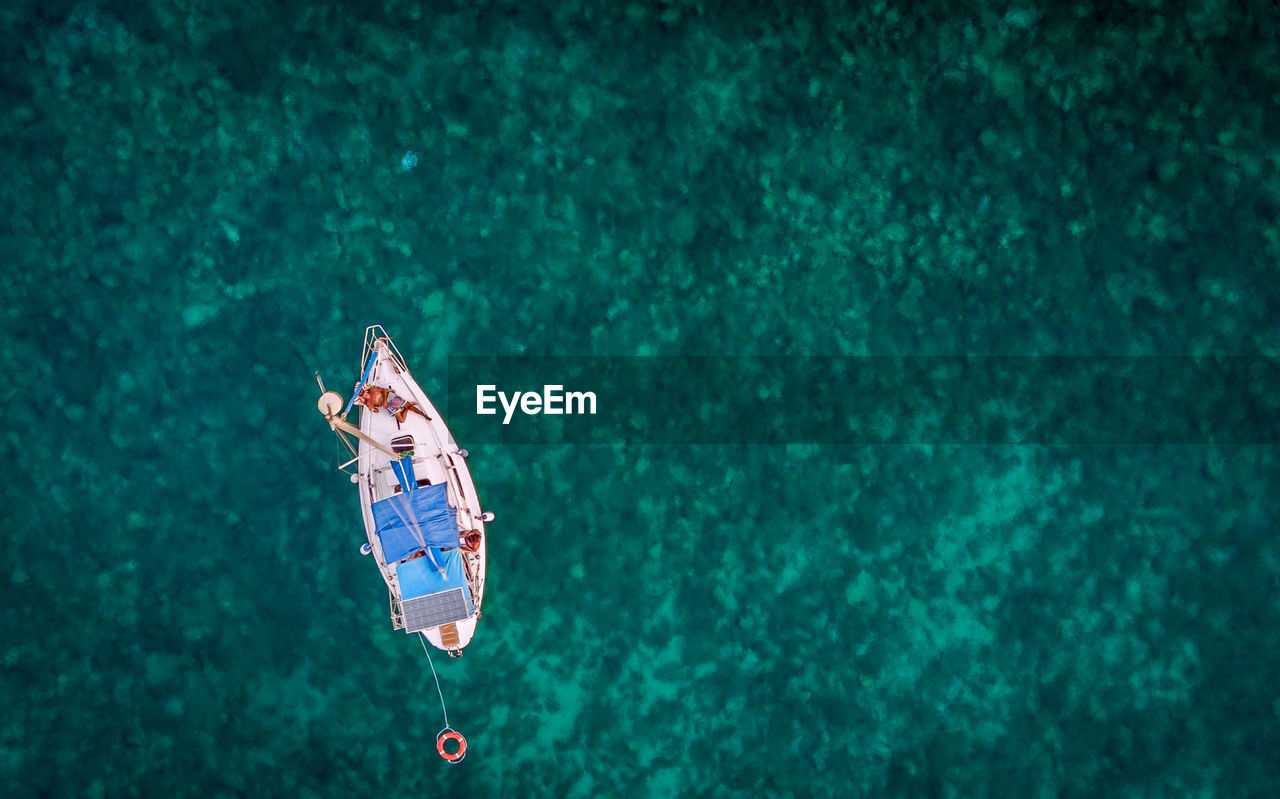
(433, 610)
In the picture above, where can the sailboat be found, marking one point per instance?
(423, 522)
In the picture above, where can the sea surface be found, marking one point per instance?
(206, 203)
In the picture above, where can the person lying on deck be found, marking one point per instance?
(376, 398)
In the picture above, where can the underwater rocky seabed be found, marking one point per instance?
(207, 204)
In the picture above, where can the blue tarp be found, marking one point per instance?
(419, 578)
(428, 508)
(403, 468)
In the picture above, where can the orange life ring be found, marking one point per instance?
(452, 735)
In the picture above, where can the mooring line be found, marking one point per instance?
(422, 639)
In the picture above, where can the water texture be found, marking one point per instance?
(206, 203)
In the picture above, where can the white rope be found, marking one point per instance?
(423, 640)
(400, 504)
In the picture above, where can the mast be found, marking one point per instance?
(330, 405)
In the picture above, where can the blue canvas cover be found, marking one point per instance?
(400, 519)
(419, 578)
(403, 468)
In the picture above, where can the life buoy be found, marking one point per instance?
(452, 735)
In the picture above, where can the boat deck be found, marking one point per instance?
(436, 459)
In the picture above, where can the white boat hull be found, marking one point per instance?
(436, 458)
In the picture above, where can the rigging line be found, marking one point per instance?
(400, 503)
(422, 639)
(412, 520)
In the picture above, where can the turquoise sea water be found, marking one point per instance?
(207, 203)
